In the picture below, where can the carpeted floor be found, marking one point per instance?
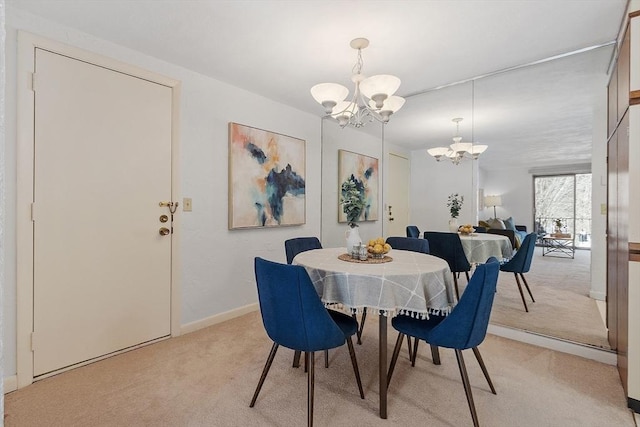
(562, 309)
(207, 378)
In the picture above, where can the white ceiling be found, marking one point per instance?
(535, 116)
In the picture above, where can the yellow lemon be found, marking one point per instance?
(377, 249)
(387, 247)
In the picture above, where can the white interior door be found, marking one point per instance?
(102, 271)
(397, 213)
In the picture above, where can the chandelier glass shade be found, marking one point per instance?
(459, 150)
(373, 97)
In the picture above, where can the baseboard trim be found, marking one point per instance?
(599, 355)
(600, 296)
(218, 318)
(633, 404)
(10, 383)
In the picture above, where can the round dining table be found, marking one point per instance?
(411, 283)
(478, 247)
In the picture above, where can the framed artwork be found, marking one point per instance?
(266, 178)
(363, 172)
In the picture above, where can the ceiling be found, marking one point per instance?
(535, 116)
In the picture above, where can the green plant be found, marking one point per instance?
(454, 203)
(558, 223)
(352, 199)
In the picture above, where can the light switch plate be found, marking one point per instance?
(603, 208)
(186, 204)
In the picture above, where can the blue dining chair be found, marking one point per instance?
(464, 328)
(520, 263)
(293, 247)
(413, 231)
(409, 244)
(294, 317)
(449, 247)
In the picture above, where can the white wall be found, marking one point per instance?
(217, 274)
(515, 186)
(599, 198)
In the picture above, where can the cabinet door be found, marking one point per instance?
(612, 105)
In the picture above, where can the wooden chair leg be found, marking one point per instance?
(484, 369)
(360, 324)
(435, 354)
(310, 386)
(415, 351)
(394, 357)
(296, 359)
(354, 363)
(467, 387)
(326, 358)
(409, 348)
(521, 294)
(527, 286)
(455, 283)
(265, 371)
(467, 274)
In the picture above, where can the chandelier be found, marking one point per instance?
(373, 97)
(459, 150)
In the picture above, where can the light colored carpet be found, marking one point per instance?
(207, 378)
(562, 309)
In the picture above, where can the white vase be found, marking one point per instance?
(353, 238)
(453, 225)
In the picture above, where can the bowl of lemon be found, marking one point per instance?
(377, 248)
(466, 229)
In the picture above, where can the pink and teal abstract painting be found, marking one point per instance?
(266, 178)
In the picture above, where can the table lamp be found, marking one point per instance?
(493, 201)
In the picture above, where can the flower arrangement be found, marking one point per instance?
(454, 203)
(558, 223)
(352, 199)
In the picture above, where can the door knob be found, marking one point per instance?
(164, 218)
(164, 231)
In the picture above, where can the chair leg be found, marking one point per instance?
(484, 369)
(527, 286)
(394, 357)
(455, 283)
(265, 371)
(326, 358)
(354, 363)
(310, 386)
(360, 324)
(521, 294)
(415, 351)
(435, 354)
(409, 348)
(467, 387)
(467, 274)
(296, 359)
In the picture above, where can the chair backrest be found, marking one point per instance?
(413, 231)
(521, 261)
(409, 244)
(480, 229)
(291, 310)
(293, 247)
(510, 234)
(448, 247)
(466, 326)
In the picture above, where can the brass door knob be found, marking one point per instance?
(164, 231)
(164, 218)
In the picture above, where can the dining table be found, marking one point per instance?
(410, 283)
(478, 247)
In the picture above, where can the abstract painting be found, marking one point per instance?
(363, 171)
(266, 178)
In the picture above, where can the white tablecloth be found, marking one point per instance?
(480, 246)
(413, 283)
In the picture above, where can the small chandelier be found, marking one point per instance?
(459, 150)
(372, 98)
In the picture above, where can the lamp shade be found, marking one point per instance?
(493, 201)
(392, 103)
(438, 151)
(331, 93)
(384, 84)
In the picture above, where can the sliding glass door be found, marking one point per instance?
(563, 205)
